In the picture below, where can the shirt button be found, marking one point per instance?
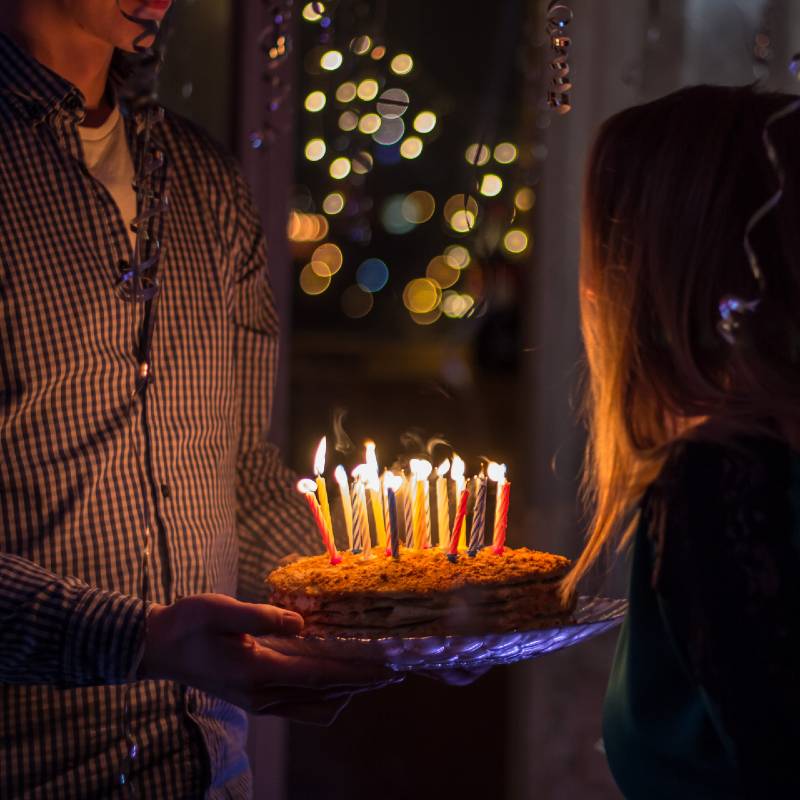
(165, 490)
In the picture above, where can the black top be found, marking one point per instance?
(704, 696)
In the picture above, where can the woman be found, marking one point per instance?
(694, 433)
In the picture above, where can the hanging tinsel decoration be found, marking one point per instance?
(559, 16)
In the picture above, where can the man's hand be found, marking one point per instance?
(207, 641)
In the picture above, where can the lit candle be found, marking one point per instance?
(497, 472)
(347, 505)
(461, 515)
(322, 489)
(393, 484)
(405, 497)
(457, 474)
(374, 488)
(421, 471)
(443, 504)
(307, 487)
(476, 533)
(361, 534)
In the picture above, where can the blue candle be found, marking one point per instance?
(476, 534)
(395, 531)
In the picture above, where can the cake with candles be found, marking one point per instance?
(422, 556)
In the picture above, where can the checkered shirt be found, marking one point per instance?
(75, 465)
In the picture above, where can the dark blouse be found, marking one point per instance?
(704, 695)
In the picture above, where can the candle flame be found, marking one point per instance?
(340, 475)
(496, 472)
(443, 468)
(420, 468)
(362, 473)
(371, 458)
(306, 486)
(319, 458)
(457, 470)
(393, 481)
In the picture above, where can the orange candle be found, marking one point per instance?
(307, 486)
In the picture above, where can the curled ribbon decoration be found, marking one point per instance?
(732, 309)
(559, 16)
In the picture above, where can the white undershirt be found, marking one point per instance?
(106, 153)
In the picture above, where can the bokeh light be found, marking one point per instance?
(333, 203)
(459, 218)
(378, 53)
(515, 241)
(429, 318)
(362, 162)
(455, 305)
(441, 272)
(339, 168)
(361, 45)
(346, 92)
(505, 153)
(367, 89)
(331, 60)
(462, 221)
(425, 122)
(491, 185)
(311, 14)
(411, 147)
(422, 295)
(390, 132)
(315, 101)
(472, 152)
(418, 207)
(356, 303)
(393, 103)
(392, 216)
(348, 120)
(330, 255)
(401, 64)
(315, 149)
(372, 275)
(302, 227)
(524, 198)
(457, 256)
(311, 283)
(369, 123)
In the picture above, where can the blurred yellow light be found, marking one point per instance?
(362, 162)
(422, 295)
(428, 318)
(361, 45)
(491, 185)
(462, 221)
(457, 256)
(348, 120)
(315, 101)
(302, 227)
(339, 168)
(310, 14)
(401, 64)
(320, 268)
(472, 152)
(456, 203)
(333, 203)
(315, 149)
(505, 153)
(311, 283)
(524, 198)
(369, 123)
(378, 52)
(346, 92)
(367, 89)
(441, 272)
(331, 60)
(515, 241)
(425, 122)
(330, 255)
(455, 305)
(411, 147)
(418, 207)
(356, 303)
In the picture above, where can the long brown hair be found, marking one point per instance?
(670, 187)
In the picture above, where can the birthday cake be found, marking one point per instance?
(422, 592)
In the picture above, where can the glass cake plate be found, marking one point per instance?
(592, 616)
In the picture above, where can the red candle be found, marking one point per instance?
(461, 514)
(501, 516)
(307, 487)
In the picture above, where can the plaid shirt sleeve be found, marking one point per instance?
(272, 518)
(62, 631)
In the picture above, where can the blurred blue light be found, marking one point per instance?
(372, 275)
(392, 215)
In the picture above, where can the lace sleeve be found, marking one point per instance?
(727, 575)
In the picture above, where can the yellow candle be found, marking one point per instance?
(347, 505)
(322, 489)
(421, 471)
(457, 474)
(377, 511)
(419, 516)
(443, 504)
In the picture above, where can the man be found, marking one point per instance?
(109, 494)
